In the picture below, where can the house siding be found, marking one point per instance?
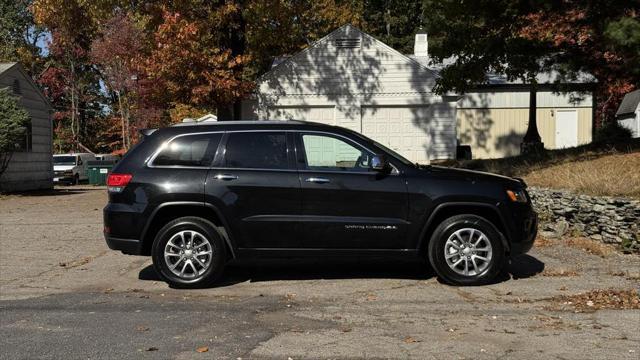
(30, 170)
(494, 123)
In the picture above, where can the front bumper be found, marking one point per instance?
(62, 178)
(526, 236)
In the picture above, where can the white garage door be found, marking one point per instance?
(320, 114)
(420, 133)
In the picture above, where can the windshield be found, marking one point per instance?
(64, 160)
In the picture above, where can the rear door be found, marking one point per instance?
(345, 205)
(255, 183)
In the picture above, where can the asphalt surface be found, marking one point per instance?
(64, 295)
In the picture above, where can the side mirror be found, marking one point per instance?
(79, 161)
(380, 163)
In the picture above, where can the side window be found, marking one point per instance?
(190, 150)
(26, 143)
(325, 152)
(256, 150)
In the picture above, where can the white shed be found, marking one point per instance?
(350, 79)
(628, 114)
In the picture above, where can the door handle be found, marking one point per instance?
(318, 180)
(225, 177)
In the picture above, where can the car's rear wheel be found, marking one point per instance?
(188, 252)
(466, 250)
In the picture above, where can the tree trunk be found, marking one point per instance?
(122, 121)
(532, 143)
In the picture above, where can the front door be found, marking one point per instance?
(345, 204)
(257, 187)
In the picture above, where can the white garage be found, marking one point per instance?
(352, 80)
(417, 132)
(413, 131)
(320, 114)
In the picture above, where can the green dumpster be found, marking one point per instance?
(98, 171)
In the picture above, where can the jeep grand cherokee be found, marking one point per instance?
(196, 197)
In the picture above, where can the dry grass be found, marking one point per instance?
(591, 169)
(614, 175)
(591, 246)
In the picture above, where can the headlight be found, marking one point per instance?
(517, 195)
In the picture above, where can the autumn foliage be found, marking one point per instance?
(114, 67)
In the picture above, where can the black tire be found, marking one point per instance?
(437, 250)
(218, 257)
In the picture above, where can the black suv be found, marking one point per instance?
(196, 197)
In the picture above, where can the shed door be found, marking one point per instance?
(566, 128)
(419, 133)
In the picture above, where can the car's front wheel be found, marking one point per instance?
(188, 252)
(466, 250)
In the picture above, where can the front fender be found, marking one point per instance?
(448, 209)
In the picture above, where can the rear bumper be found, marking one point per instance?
(127, 246)
(123, 226)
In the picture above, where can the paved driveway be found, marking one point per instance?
(63, 294)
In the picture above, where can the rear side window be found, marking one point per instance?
(190, 150)
(256, 150)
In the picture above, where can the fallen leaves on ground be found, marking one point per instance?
(141, 328)
(371, 297)
(202, 349)
(626, 274)
(76, 263)
(559, 273)
(599, 299)
(591, 246)
(410, 340)
(153, 348)
(551, 323)
(542, 242)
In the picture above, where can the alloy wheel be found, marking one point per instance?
(468, 252)
(188, 254)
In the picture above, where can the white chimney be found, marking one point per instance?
(421, 45)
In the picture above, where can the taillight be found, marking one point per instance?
(117, 182)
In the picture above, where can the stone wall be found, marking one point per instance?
(608, 219)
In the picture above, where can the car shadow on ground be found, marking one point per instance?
(521, 267)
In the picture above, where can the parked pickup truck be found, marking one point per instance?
(195, 197)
